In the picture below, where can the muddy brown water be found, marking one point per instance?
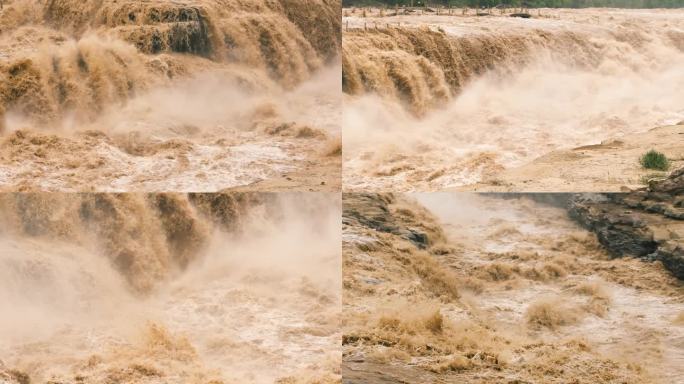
(447, 101)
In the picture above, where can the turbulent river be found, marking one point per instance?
(166, 96)
(457, 287)
(169, 288)
(438, 101)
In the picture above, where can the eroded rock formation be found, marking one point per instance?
(646, 223)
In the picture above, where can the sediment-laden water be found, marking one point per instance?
(490, 289)
(438, 101)
(166, 96)
(230, 288)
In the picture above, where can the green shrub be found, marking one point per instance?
(655, 160)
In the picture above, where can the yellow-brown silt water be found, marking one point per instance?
(435, 101)
(187, 95)
(169, 288)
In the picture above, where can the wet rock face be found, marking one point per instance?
(375, 211)
(673, 185)
(618, 229)
(647, 223)
(370, 211)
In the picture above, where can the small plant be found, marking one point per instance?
(655, 160)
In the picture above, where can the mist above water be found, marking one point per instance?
(197, 294)
(165, 96)
(490, 93)
(505, 288)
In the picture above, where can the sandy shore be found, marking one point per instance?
(315, 176)
(610, 166)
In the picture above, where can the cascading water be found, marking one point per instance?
(169, 288)
(475, 288)
(217, 78)
(433, 102)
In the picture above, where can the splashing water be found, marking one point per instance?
(446, 101)
(158, 96)
(170, 288)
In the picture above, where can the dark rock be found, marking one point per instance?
(673, 185)
(373, 211)
(672, 257)
(622, 234)
(648, 223)
(370, 210)
(419, 239)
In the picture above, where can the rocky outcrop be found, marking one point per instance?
(673, 185)
(384, 213)
(646, 223)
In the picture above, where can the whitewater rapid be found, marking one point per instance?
(434, 102)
